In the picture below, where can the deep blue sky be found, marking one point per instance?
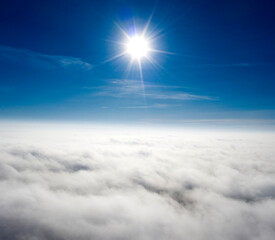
(52, 57)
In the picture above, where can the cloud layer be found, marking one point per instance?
(92, 182)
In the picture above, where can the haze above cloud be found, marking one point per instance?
(94, 182)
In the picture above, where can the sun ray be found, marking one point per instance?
(155, 63)
(137, 47)
(114, 57)
(147, 24)
(115, 42)
(162, 51)
(129, 66)
(149, 21)
(142, 81)
(122, 30)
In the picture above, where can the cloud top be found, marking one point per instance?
(98, 183)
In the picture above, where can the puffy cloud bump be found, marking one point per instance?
(92, 182)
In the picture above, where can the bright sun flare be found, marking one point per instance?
(137, 47)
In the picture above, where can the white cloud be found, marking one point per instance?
(135, 88)
(182, 96)
(40, 60)
(93, 182)
(151, 106)
(225, 65)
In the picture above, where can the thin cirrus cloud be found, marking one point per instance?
(226, 65)
(104, 182)
(40, 60)
(134, 88)
(158, 105)
(178, 96)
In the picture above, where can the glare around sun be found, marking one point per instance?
(137, 47)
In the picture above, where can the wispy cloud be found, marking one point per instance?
(238, 64)
(232, 121)
(41, 60)
(135, 88)
(152, 106)
(181, 96)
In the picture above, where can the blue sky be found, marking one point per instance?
(53, 61)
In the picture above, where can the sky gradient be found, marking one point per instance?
(54, 61)
(175, 144)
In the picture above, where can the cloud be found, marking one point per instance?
(151, 106)
(35, 59)
(134, 88)
(178, 96)
(230, 120)
(94, 182)
(225, 65)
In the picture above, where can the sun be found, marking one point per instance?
(139, 44)
(137, 47)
